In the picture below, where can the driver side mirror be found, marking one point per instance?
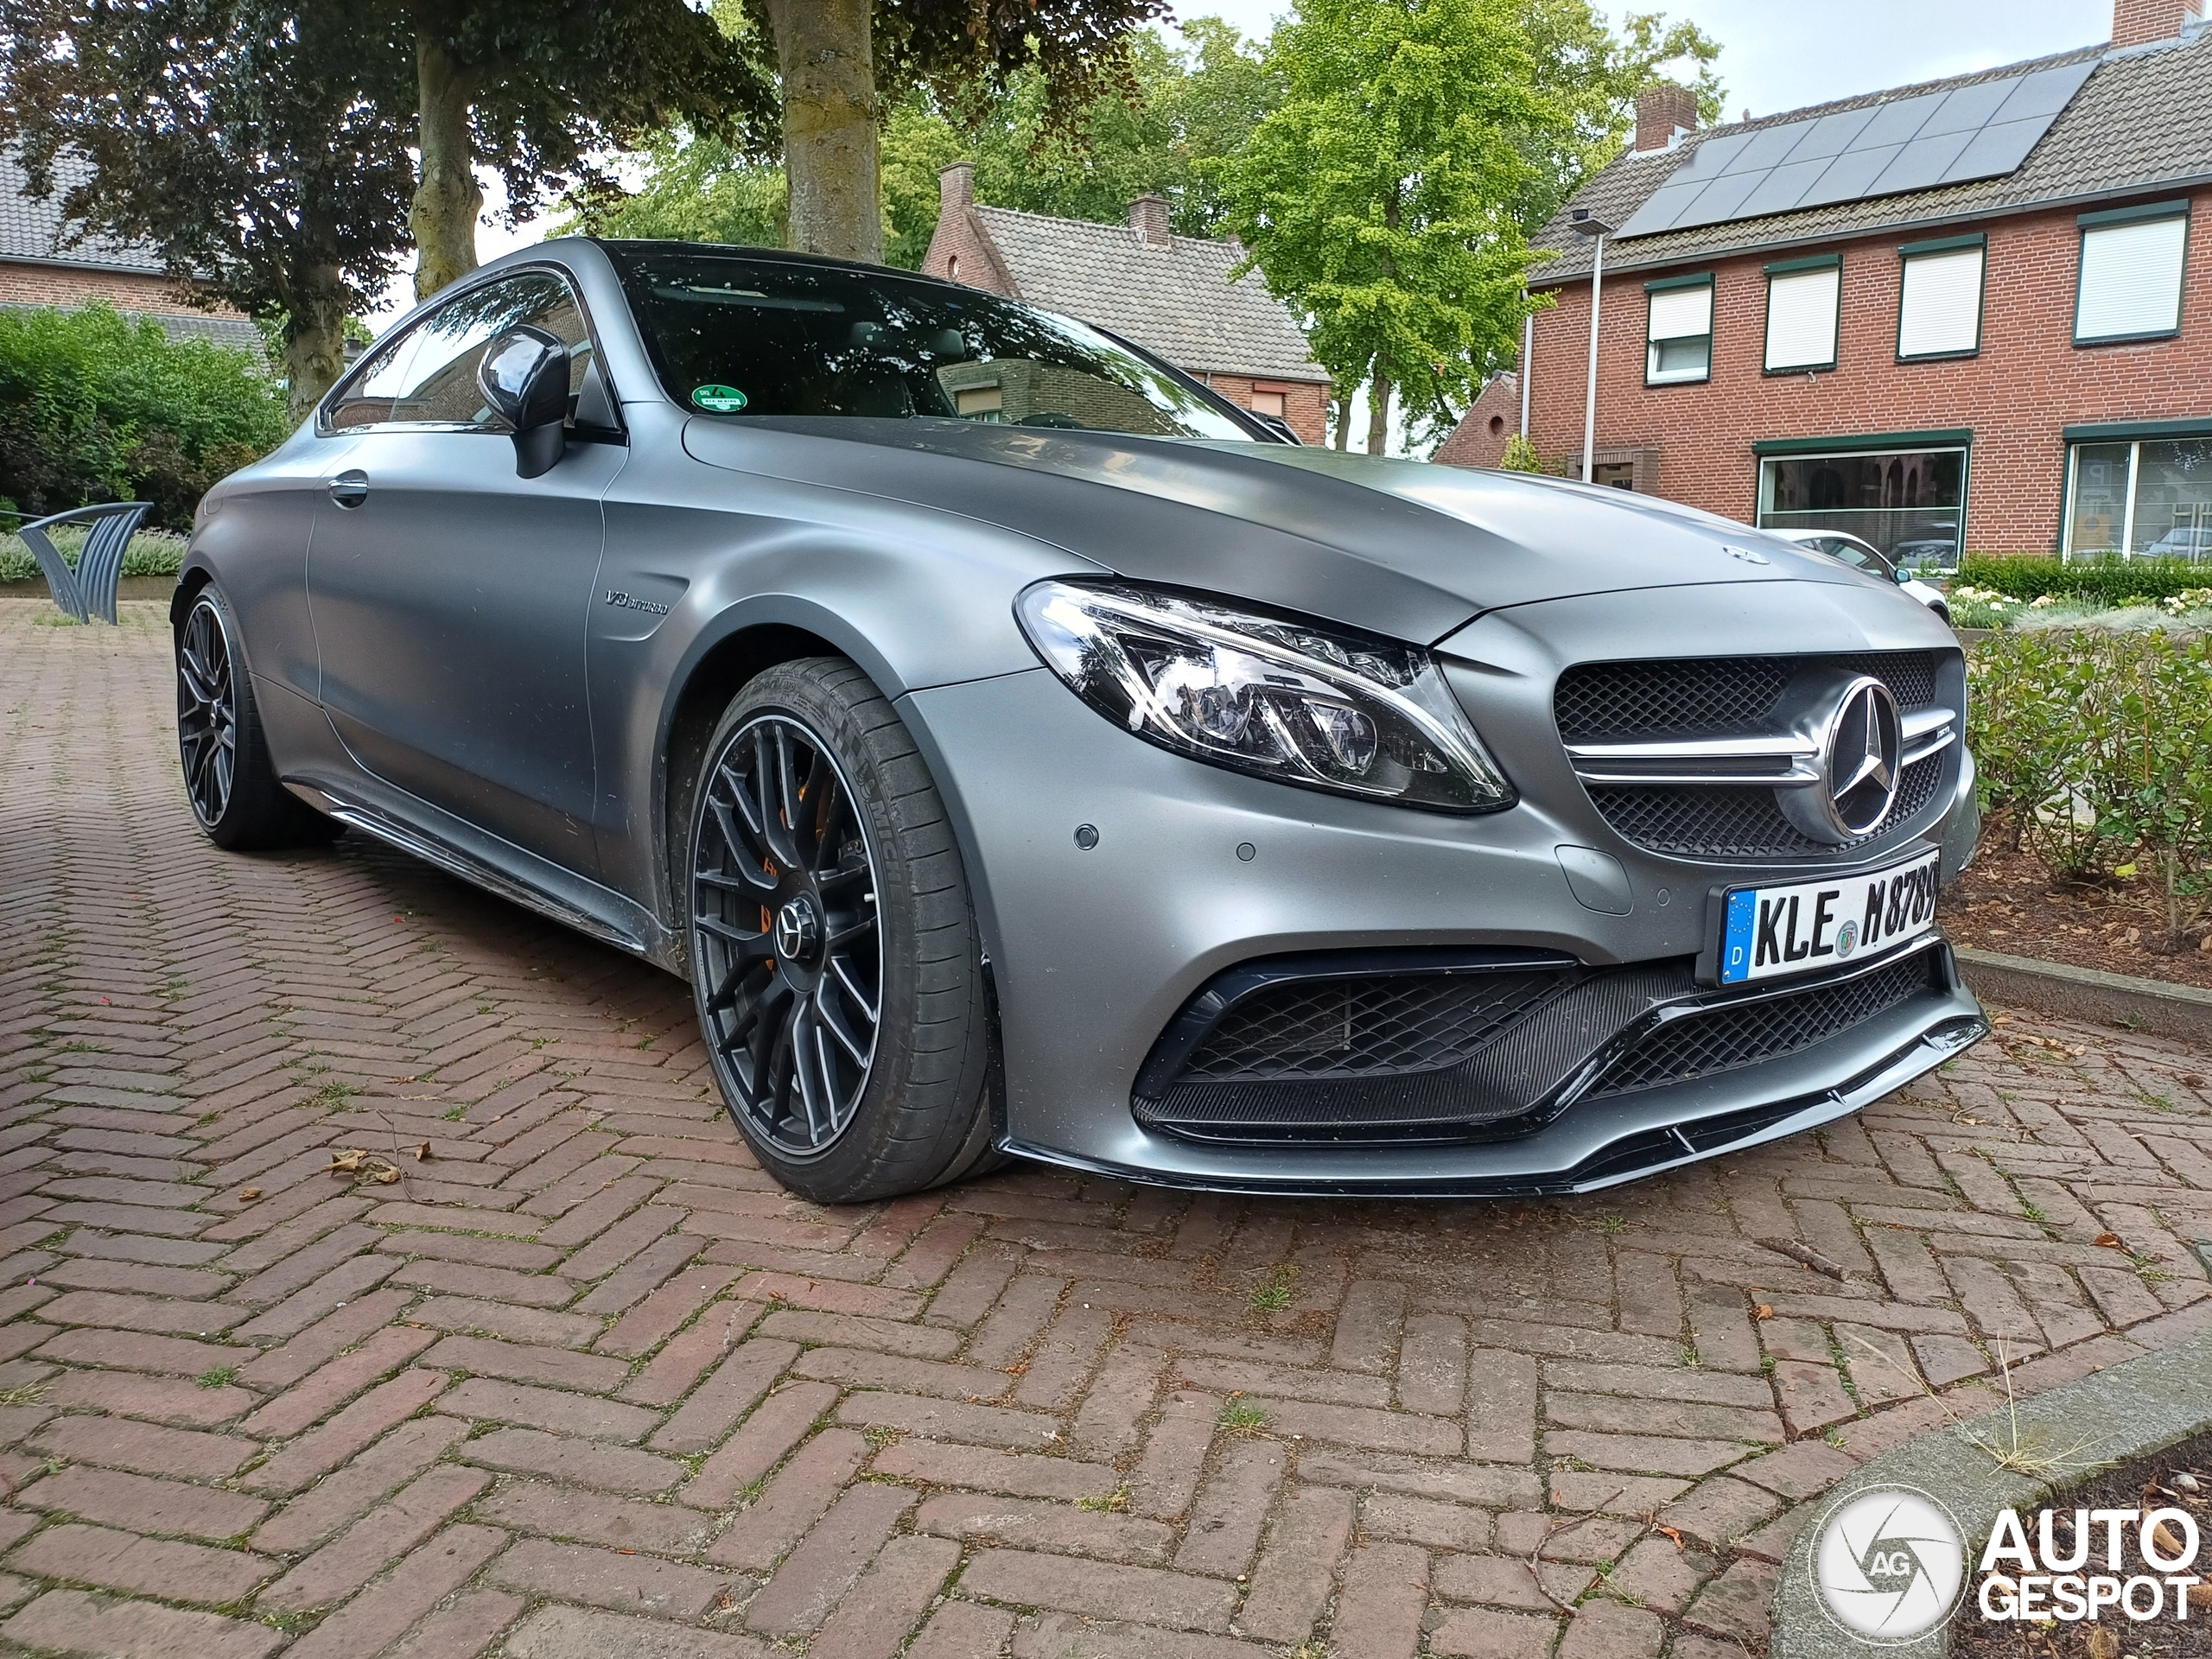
(525, 380)
(1901, 573)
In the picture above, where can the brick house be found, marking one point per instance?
(1170, 294)
(1966, 314)
(1494, 416)
(35, 270)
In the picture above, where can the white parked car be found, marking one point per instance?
(2191, 541)
(1862, 555)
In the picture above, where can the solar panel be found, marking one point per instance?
(1981, 132)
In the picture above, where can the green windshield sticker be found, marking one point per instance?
(718, 400)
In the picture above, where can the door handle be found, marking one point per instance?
(350, 488)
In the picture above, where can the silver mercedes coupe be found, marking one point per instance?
(1023, 751)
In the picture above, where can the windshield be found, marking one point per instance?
(740, 337)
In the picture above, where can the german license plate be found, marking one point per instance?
(1769, 933)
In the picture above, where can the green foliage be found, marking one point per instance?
(96, 407)
(151, 553)
(1520, 456)
(2097, 746)
(1177, 110)
(1180, 113)
(1382, 196)
(697, 189)
(261, 146)
(1594, 75)
(2109, 581)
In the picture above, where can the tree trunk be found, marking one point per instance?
(442, 217)
(315, 338)
(1378, 415)
(1343, 422)
(831, 123)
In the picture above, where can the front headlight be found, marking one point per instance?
(1298, 701)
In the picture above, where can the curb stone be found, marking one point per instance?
(2137, 1407)
(2088, 994)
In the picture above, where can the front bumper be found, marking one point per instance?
(1194, 870)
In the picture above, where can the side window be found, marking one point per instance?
(426, 377)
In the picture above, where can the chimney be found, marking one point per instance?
(1663, 109)
(1148, 218)
(956, 187)
(2141, 22)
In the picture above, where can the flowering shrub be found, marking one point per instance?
(2095, 747)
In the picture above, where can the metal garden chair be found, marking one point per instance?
(89, 590)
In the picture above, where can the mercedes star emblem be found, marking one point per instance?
(1864, 744)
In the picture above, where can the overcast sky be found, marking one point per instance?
(1774, 56)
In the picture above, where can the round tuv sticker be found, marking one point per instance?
(718, 400)
(1888, 1563)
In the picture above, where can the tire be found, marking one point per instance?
(229, 782)
(833, 950)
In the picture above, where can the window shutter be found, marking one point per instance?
(1679, 311)
(1801, 318)
(2130, 279)
(1942, 303)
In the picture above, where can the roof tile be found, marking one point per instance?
(1177, 302)
(2142, 121)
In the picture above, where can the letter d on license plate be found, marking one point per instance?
(1766, 933)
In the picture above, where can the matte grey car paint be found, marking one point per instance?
(484, 669)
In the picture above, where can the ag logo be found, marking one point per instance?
(1888, 1563)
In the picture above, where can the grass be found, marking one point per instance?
(28, 1394)
(1274, 1295)
(1242, 1421)
(220, 1376)
(1111, 1503)
(2006, 1447)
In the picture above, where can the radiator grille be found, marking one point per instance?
(1395, 1023)
(1726, 1038)
(1728, 697)
(1720, 822)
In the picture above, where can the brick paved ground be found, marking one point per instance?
(586, 1386)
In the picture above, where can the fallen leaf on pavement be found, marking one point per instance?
(248, 1194)
(2110, 1241)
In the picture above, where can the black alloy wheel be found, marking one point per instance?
(229, 779)
(206, 713)
(784, 919)
(831, 944)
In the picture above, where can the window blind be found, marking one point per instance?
(1679, 311)
(2130, 279)
(1800, 308)
(1942, 306)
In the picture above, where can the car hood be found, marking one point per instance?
(1401, 548)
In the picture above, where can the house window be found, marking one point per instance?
(2140, 497)
(1939, 300)
(1801, 314)
(1614, 475)
(1678, 334)
(2131, 276)
(980, 402)
(1268, 403)
(1908, 502)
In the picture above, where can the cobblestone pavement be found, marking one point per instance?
(583, 1384)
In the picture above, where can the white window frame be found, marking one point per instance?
(1665, 289)
(1793, 277)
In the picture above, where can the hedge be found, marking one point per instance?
(95, 406)
(2097, 748)
(2109, 581)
